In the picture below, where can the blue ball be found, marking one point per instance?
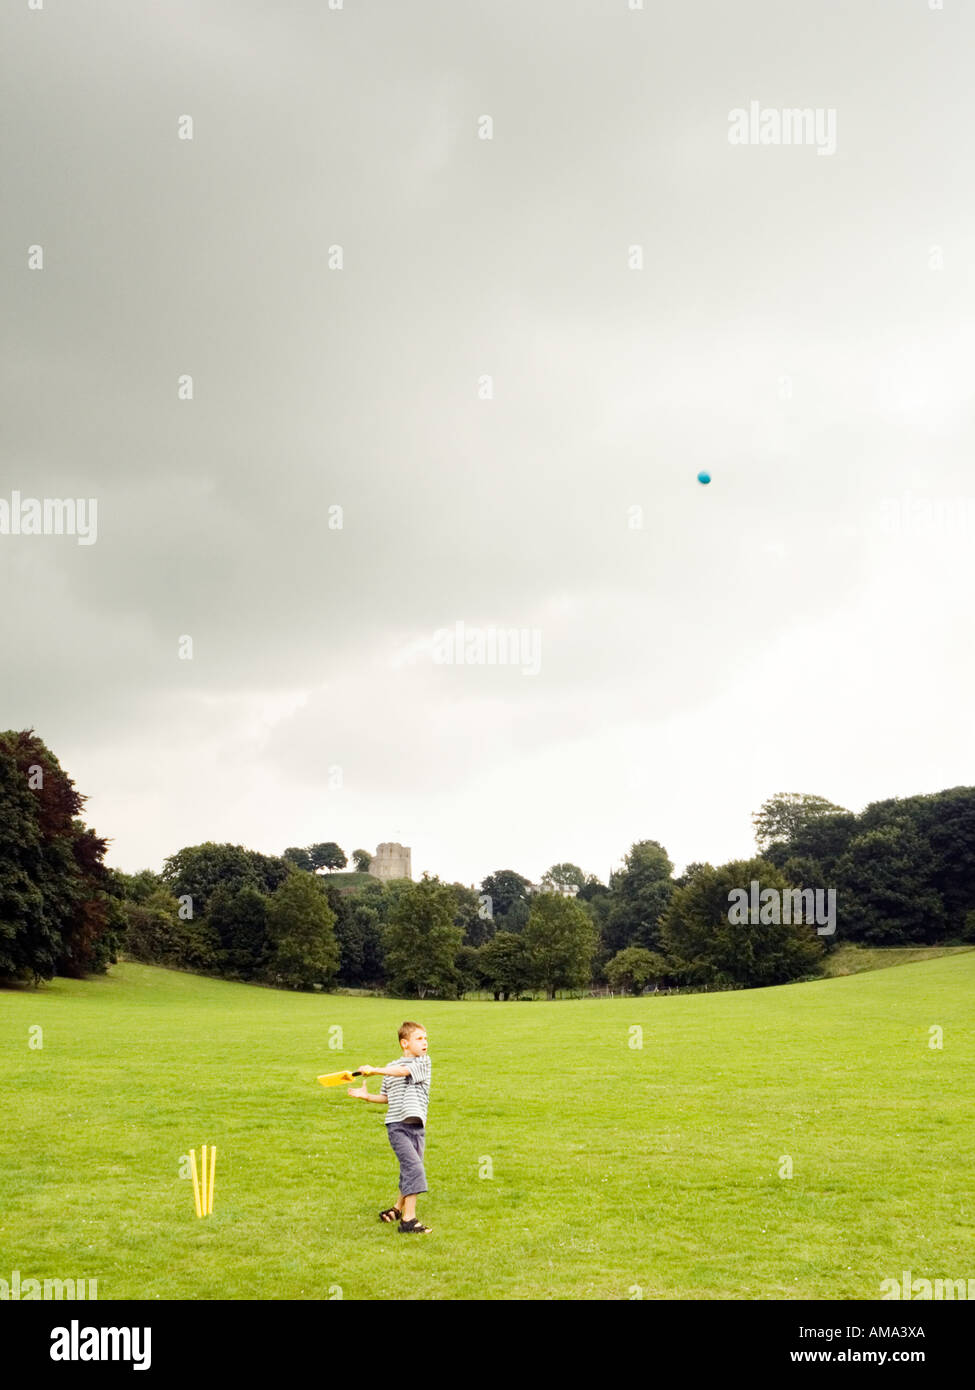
(704, 477)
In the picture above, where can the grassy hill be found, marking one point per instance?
(851, 959)
(347, 880)
(563, 1162)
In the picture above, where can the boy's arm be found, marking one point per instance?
(363, 1094)
(382, 1098)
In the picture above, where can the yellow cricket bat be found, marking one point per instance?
(338, 1078)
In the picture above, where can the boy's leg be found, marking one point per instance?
(417, 1141)
(398, 1206)
(408, 1143)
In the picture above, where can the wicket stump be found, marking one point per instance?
(203, 1182)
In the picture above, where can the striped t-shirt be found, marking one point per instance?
(409, 1096)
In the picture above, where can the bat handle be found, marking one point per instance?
(357, 1073)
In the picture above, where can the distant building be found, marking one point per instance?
(391, 861)
(568, 890)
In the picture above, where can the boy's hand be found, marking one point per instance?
(361, 1093)
(366, 1071)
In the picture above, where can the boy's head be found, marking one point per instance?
(413, 1038)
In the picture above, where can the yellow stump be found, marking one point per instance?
(203, 1179)
(196, 1183)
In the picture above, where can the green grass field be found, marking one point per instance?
(614, 1168)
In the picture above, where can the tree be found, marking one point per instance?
(422, 942)
(468, 963)
(599, 909)
(704, 946)
(157, 934)
(358, 931)
(684, 879)
(824, 839)
(240, 921)
(786, 814)
(561, 941)
(327, 856)
(59, 904)
(150, 923)
(198, 870)
(300, 858)
(563, 878)
(639, 894)
(505, 965)
(510, 899)
(803, 872)
(91, 934)
(632, 968)
(139, 886)
(301, 926)
(946, 822)
(471, 916)
(885, 888)
(516, 918)
(270, 871)
(369, 902)
(592, 889)
(362, 859)
(369, 935)
(367, 889)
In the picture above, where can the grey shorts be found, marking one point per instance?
(408, 1141)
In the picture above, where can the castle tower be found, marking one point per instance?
(391, 861)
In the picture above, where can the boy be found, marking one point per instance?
(406, 1091)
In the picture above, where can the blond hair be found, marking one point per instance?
(406, 1031)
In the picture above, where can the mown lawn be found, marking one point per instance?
(564, 1163)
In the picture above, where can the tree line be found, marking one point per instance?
(903, 871)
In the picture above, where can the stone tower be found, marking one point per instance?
(391, 861)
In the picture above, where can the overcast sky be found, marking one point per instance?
(489, 388)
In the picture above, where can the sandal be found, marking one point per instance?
(414, 1227)
(390, 1214)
